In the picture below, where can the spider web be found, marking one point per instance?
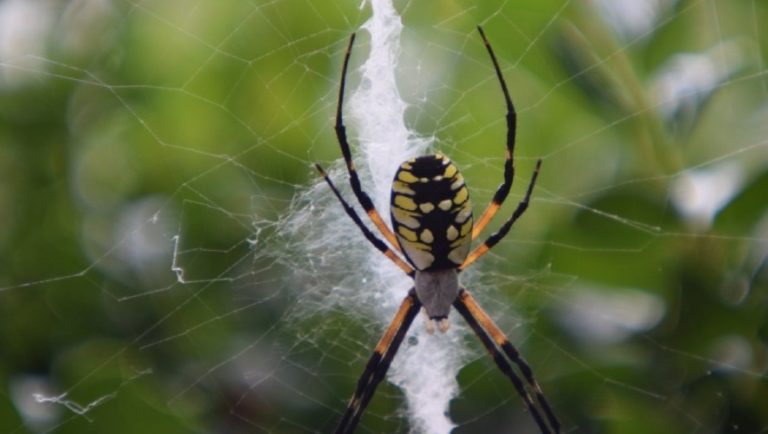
(171, 261)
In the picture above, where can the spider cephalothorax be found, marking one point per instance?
(433, 231)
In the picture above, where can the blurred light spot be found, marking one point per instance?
(700, 193)
(146, 241)
(736, 286)
(632, 18)
(37, 416)
(24, 29)
(609, 315)
(732, 353)
(136, 242)
(85, 24)
(685, 82)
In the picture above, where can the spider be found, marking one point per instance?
(433, 230)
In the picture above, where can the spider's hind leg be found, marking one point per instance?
(378, 364)
(483, 325)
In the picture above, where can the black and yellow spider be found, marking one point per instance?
(433, 229)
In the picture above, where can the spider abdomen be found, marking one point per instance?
(431, 213)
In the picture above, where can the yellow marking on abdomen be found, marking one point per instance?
(405, 218)
(458, 254)
(426, 207)
(464, 214)
(402, 187)
(450, 170)
(406, 176)
(452, 233)
(461, 196)
(466, 228)
(457, 183)
(419, 254)
(407, 233)
(405, 202)
(415, 245)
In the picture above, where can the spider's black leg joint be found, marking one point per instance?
(515, 356)
(379, 363)
(373, 239)
(502, 232)
(521, 207)
(386, 361)
(341, 134)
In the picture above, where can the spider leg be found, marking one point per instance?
(377, 242)
(378, 364)
(502, 232)
(354, 180)
(509, 169)
(480, 322)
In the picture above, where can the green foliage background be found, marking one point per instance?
(135, 118)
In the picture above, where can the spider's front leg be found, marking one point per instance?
(354, 180)
(373, 239)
